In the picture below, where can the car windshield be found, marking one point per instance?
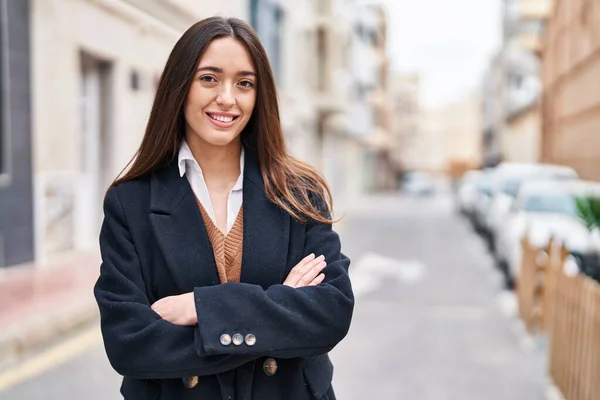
(557, 204)
(511, 187)
(484, 186)
(413, 176)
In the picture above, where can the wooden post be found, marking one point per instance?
(589, 339)
(596, 349)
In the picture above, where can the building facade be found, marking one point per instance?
(449, 137)
(16, 197)
(352, 114)
(522, 137)
(405, 120)
(463, 125)
(385, 170)
(95, 71)
(570, 74)
(512, 86)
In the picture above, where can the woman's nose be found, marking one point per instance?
(225, 97)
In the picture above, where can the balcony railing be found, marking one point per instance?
(517, 26)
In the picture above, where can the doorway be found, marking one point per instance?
(94, 147)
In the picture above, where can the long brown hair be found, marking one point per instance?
(290, 183)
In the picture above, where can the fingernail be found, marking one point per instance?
(321, 257)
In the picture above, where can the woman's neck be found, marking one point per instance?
(220, 164)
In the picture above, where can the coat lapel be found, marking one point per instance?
(183, 239)
(180, 231)
(266, 231)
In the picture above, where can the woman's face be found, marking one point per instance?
(222, 96)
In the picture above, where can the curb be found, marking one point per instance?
(20, 341)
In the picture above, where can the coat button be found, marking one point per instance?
(237, 339)
(190, 382)
(250, 339)
(270, 367)
(225, 339)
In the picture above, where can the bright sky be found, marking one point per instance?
(449, 42)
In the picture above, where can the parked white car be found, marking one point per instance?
(506, 181)
(466, 195)
(483, 201)
(419, 183)
(545, 209)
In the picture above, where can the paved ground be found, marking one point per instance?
(444, 335)
(428, 324)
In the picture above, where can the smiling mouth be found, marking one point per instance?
(222, 118)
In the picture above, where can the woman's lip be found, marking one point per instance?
(222, 114)
(220, 124)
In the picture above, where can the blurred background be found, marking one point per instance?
(458, 140)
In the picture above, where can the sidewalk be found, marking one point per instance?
(40, 303)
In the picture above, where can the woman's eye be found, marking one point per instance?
(207, 78)
(246, 84)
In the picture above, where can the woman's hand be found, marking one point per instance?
(178, 310)
(307, 272)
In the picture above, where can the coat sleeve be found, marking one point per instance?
(287, 322)
(138, 342)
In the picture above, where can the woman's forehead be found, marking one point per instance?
(228, 55)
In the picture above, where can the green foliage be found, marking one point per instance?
(588, 209)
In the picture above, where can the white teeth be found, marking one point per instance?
(220, 118)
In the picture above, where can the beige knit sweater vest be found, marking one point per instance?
(226, 248)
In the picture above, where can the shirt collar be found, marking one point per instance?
(185, 156)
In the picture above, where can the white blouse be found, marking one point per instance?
(190, 167)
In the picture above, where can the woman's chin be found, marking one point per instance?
(218, 138)
(221, 140)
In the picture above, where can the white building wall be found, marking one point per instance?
(347, 159)
(70, 171)
(296, 88)
(225, 8)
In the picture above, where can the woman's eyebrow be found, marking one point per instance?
(247, 73)
(218, 70)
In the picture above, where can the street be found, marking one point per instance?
(430, 322)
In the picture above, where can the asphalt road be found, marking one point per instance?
(430, 320)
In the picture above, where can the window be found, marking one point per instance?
(267, 18)
(515, 81)
(2, 154)
(3, 157)
(321, 60)
(556, 204)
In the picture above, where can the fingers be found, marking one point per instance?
(294, 275)
(157, 306)
(304, 269)
(311, 273)
(306, 260)
(306, 266)
(319, 279)
(298, 270)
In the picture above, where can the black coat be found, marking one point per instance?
(154, 244)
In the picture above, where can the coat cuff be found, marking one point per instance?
(211, 338)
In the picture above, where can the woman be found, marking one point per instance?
(221, 277)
